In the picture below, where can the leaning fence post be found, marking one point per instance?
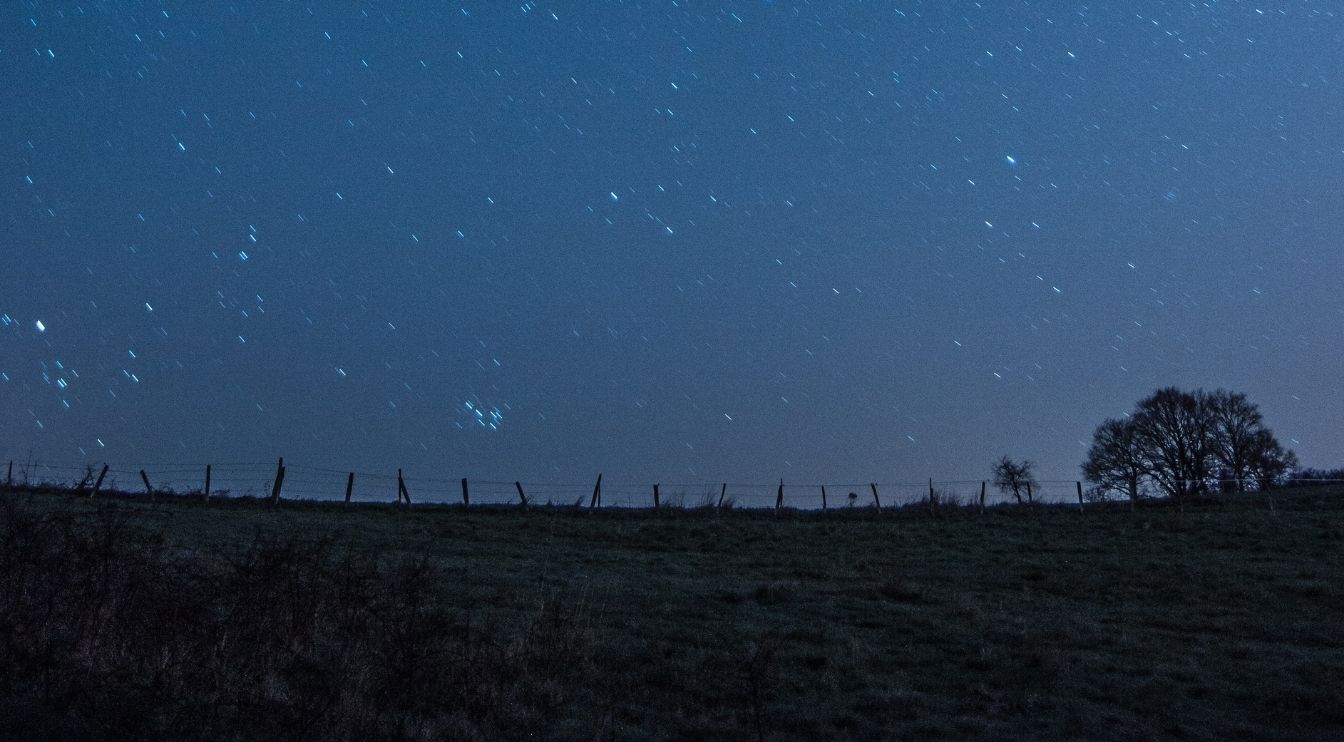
(597, 492)
(779, 496)
(876, 500)
(722, 491)
(207, 482)
(466, 499)
(349, 487)
(982, 497)
(1030, 499)
(279, 481)
(145, 478)
(655, 497)
(823, 497)
(98, 484)
(403, 494)
(521, 497)
(1080, 496)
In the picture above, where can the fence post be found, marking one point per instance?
(597, 493)
(207, 482)
(779, 496)
(933, 501)
(98, 484)
(982, 497)
(279, 481)
(876, 501)
(148, 489)
(722, 491)
(349, 487)
(402, 493)
(9, 478)
(823, 498)
(521, 497)
(655, 497)
(1080, 496)
(1030, 499)
(466, 498)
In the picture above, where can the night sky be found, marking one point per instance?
(668, 241)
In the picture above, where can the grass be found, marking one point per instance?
(176, 619)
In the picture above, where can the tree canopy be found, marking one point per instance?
(1178, 443)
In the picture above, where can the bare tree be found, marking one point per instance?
(1173, 433)
(1236, 433)
(1015, 477)
(1181, 442)
(1115, 462)
(1270, 462)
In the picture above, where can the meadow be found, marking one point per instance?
(176, 618)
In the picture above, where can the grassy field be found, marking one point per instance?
(178, 619)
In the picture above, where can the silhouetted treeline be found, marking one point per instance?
(1180, 444)
(1311, 477)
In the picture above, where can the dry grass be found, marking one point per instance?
(179, 619)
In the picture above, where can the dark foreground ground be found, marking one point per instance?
(177, 619)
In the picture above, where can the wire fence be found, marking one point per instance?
(291, 481)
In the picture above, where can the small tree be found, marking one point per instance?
(1015, 477)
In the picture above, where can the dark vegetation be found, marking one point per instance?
(180, 619)
(1180, 444)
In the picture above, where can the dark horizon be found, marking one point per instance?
(737, 242)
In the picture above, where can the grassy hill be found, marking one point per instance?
(178, 619)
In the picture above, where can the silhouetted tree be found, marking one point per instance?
(1269, 461)
(1115, 462)
(1173, 432)
(1015, 477)
(1237, 429)
(1182, 442)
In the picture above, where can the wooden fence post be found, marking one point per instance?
(597, 493)
(823, 498)
(466, 498)
(98, 484)
(779, 497)
(403, 495)
(876, 500)
(521, 497)
(279, 481)
(1030, 499)
(349, 487)
(207, 482)
(655, 497)
(982, 497)
(83, 482)
(145, 478)
(1080, 496)
(722, 491)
